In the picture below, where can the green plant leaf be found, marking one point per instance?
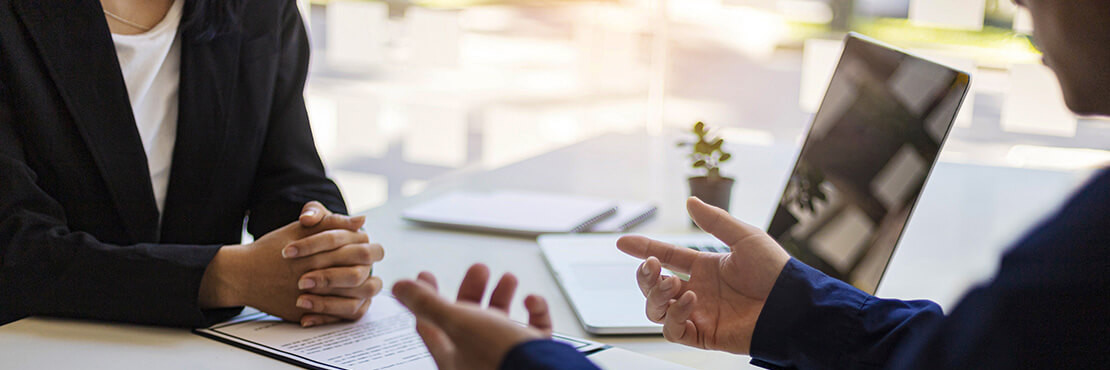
(717, 144)
(702, 147)
(699, 163)
(699, 128)
(725, 157)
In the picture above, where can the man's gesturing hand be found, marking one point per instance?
(462, 335)
(718, 307)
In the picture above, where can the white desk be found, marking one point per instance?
(964, 219)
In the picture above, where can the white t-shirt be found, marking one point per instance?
(151, 65)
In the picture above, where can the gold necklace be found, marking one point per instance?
(127, 22)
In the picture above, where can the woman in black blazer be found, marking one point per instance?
(81, 233)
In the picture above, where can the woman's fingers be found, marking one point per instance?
(325, 280)
(368, 288)
(660, 297)
(344, 303)
(322, 242)
(316, 217)
(330, 221)
(503, 293)
(310, 320)
(347, 255)
(677, 327)
(312, 213)
(342, 307)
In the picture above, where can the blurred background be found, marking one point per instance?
(404, 92)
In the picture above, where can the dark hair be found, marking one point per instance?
(207, 19)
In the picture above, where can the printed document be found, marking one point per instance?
(385, 338)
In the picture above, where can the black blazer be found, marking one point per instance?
(79, 229)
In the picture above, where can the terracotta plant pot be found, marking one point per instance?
(716, 192)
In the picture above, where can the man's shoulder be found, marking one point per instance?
(1071, 246)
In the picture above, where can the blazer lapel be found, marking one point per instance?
(78, 51)
(209, 76)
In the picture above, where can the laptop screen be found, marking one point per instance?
(869, 151)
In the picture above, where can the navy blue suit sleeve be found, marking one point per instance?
(1046, 308)
(813, 321)
(545, 354)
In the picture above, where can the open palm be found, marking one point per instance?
(718, 306)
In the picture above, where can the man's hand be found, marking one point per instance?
(462, 335)
(718, 307)
(268, 275)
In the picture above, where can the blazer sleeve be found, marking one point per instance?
(813, 321)
(1045, 308)
(545, 354)
(48, 269)
(290, 172)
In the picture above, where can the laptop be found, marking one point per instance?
(865, 161)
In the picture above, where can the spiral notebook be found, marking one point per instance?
(628, 215)
(512, 212)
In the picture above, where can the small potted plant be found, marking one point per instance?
(706, 157)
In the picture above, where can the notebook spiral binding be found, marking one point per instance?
(638, 220)
(592, 221)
